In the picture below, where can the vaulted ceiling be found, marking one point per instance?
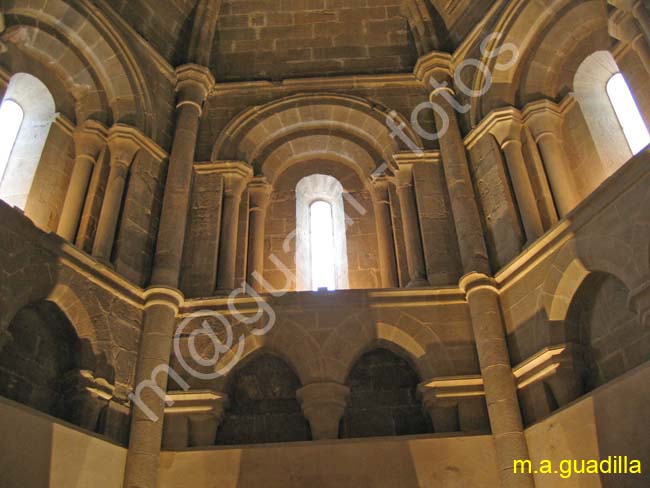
(275, 39)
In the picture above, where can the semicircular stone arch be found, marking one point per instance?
(580, 258)
(89, 58)
(539, 46)
(298, 126)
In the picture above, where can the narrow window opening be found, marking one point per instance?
(322, 246)
(628, 113)
(11, 119)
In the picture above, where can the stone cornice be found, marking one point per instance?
(452, 388)
(195, 402)
(538, 367)
(319, 84)
(490, 122)
(545, 363)
(433, 63)
(226, 168)
(131, 134)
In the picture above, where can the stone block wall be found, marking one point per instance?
(105, 311)
(199, 271)
(276, 39)
(383, 398)
(50, 184)
(136, 237)
(162, 24)
(262, 405)
(502, 225)
(436, 225)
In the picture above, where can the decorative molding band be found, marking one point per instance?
(408, 158)
(544, 364)
(453, 387)
(232, 168)
(195, 402)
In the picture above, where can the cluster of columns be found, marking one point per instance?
(630, 24)
(91, 139)
(544, 119)
(194, 418)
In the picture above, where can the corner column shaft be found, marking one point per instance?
(193, 85)
(498, 379)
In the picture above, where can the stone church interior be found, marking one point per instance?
(324, 243)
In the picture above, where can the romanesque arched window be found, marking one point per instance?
(321, 249)
(628, 113)
(616, 125)
(27, 112)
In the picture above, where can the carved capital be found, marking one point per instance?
(624, 27)
(123, 143)
(505, 125)
(259, 190)
(161, 295)
(381, 186)
(543, 117)
(89, 139)
(236, 175)
(478, 281)
(434, 66)
(323, 405)
(193, 83)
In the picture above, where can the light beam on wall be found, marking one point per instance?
(322, 246)
(628, 113)
(11, 119)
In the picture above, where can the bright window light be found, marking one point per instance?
(322, 246)
(628, 113)
(11, 118)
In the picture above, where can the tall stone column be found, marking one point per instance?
(89, 139)
(323, 404)
(412, 237)
(506, 126)
(435, 70)
(624, 27)
(123, 145)
(235, 178)
(142, 460)
(384, 224)
(544, 119)
(259, 191)
(163, 299)
(498, 378)
(192, 87)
